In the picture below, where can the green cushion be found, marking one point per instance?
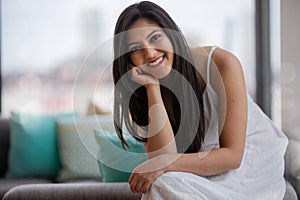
(116, 164)
(33, 145)
(77, 146)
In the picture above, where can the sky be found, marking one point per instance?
(39, 34)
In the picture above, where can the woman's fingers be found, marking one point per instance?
(138, 76)
(140, 182)
(139, 186)
(146, 187)
(137, 183)
(135, 73)
(133, 182)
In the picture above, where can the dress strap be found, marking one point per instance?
(212, 49)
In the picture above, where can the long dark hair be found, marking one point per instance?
(130, 99)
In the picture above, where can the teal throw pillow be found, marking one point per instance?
(33, 145)
(115, 163)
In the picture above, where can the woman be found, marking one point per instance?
(204, 136)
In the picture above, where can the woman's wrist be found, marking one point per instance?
(153, 90)
(152, 87)
(167, 161)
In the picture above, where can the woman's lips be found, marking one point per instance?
(156, 62)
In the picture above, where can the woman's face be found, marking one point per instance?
(149, 48)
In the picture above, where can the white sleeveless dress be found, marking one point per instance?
(260, 176)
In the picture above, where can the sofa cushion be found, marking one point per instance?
(7, 184)
(33, 145)
(76, 143)
(81, 191)
(115, 163)
(72, 191)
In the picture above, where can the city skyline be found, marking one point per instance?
(35, 38)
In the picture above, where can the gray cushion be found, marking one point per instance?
(7, 184)
(72, 191)
(81, 190)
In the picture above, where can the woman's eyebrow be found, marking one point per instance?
(149, 35)
(132, 43)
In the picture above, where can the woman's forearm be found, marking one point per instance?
(207, 163)
(160, 135)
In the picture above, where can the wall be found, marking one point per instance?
(290, 68)
(290, 86)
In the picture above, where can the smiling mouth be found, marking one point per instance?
(157, 62)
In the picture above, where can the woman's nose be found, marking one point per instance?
(149, 52)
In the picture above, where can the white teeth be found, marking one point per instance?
(156, 62)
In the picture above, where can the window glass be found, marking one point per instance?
(50, 60)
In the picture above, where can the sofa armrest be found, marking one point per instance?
(74, 191)
(4, 145)
(295, 181)
(290, 193)
(292, 164)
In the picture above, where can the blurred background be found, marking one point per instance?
(56, 55)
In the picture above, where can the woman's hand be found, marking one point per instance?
(145, 174)
(140, 77)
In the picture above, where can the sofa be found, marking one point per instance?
(48, 188)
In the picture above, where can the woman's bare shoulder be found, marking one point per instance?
(224, 66)
(220, 55)
(223, 59)
(199, 56)
(198, 51)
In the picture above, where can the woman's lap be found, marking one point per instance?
(183, 185)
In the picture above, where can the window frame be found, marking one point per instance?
(262, 56)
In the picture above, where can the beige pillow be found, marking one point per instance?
(94, 109)
(76, 144)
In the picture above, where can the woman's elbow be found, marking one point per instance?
(234, 159)
(236, 162)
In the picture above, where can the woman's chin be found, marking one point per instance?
(162, 73)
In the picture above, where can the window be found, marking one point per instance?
(51, 61)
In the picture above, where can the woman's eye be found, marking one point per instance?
(134, 49)
(155, 37)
